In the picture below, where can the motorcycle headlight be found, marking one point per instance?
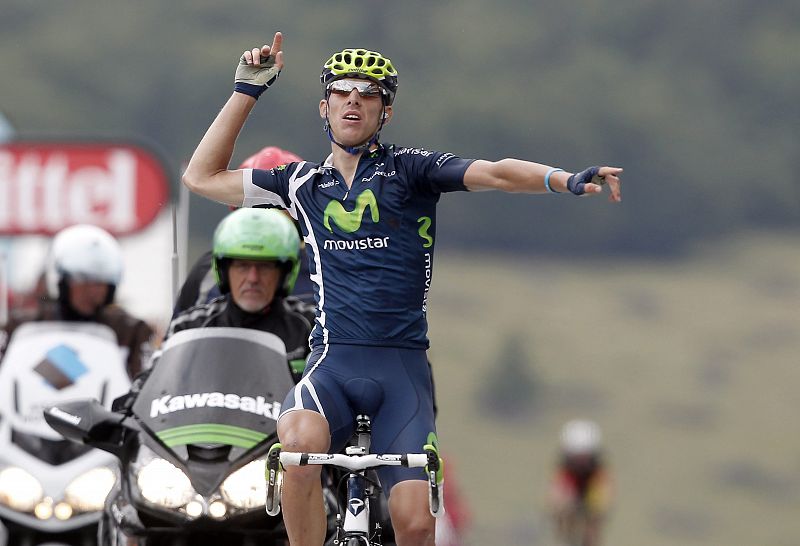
(164, 484)
(246, 488)
(19, 490)
(88, 492)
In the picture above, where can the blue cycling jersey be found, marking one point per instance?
(370, 247)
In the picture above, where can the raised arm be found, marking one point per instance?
(517, 176)
(207, 173)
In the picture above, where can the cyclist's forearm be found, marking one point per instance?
(514, 176)
(213, 154)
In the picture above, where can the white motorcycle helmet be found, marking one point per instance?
(580, 437)
(84, 253)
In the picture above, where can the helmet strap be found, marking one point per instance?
(355, 150)
(222, 265)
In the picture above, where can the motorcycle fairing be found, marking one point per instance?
(213, 395)
(47, 363)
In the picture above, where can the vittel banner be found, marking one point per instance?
(46, 186)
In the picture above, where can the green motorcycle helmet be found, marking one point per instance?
(256, 234)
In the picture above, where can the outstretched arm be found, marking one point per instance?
(207, 173)
(517, 176)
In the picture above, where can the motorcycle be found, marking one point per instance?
(193, 445)
(51, 490)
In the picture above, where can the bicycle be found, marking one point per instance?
(577, 526)
(354, 528)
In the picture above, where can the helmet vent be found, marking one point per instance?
(361, 63)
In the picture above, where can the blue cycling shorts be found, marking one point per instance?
(391, 385)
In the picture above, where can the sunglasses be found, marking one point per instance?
(364, 88)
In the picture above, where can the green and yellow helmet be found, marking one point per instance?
(361, 63)
(256, 234)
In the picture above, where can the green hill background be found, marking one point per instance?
(696, 99)
(689, 366)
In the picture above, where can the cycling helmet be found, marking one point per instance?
(580, 437)
(269, 158)
(361, 63)
(84, 253)
(256, 234)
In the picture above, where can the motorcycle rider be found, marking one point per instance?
(84, 269)
(255, 261)
(201, 285)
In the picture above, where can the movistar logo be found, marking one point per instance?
(423, 231)
(350, 221)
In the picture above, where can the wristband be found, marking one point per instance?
(547, 179)
(249, 89)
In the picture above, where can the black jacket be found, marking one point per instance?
(288, 318)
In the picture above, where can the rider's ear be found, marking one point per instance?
(323, 108)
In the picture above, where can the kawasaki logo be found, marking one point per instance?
(258, 405)
(350, 222)
(64, 416)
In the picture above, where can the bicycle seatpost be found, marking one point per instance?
(363, 433)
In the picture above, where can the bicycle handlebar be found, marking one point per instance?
(278, 458)
(354, 462)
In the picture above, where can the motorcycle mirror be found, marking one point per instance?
(88, 422)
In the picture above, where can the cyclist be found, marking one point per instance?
(580, 492)
(201, 285)
(85, 267)
(367, 214)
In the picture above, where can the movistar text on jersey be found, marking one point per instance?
(258, 405)
(357, 244)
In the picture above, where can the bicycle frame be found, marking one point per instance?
(354, 529)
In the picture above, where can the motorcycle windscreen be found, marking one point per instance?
(215, 386)
(51, 362)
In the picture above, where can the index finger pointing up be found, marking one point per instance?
(277, 42)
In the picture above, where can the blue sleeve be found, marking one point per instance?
(433, 172)
(268, 188)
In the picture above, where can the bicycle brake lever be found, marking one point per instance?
(435, 492)
(273, 477)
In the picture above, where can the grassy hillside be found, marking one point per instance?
(691, 368)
